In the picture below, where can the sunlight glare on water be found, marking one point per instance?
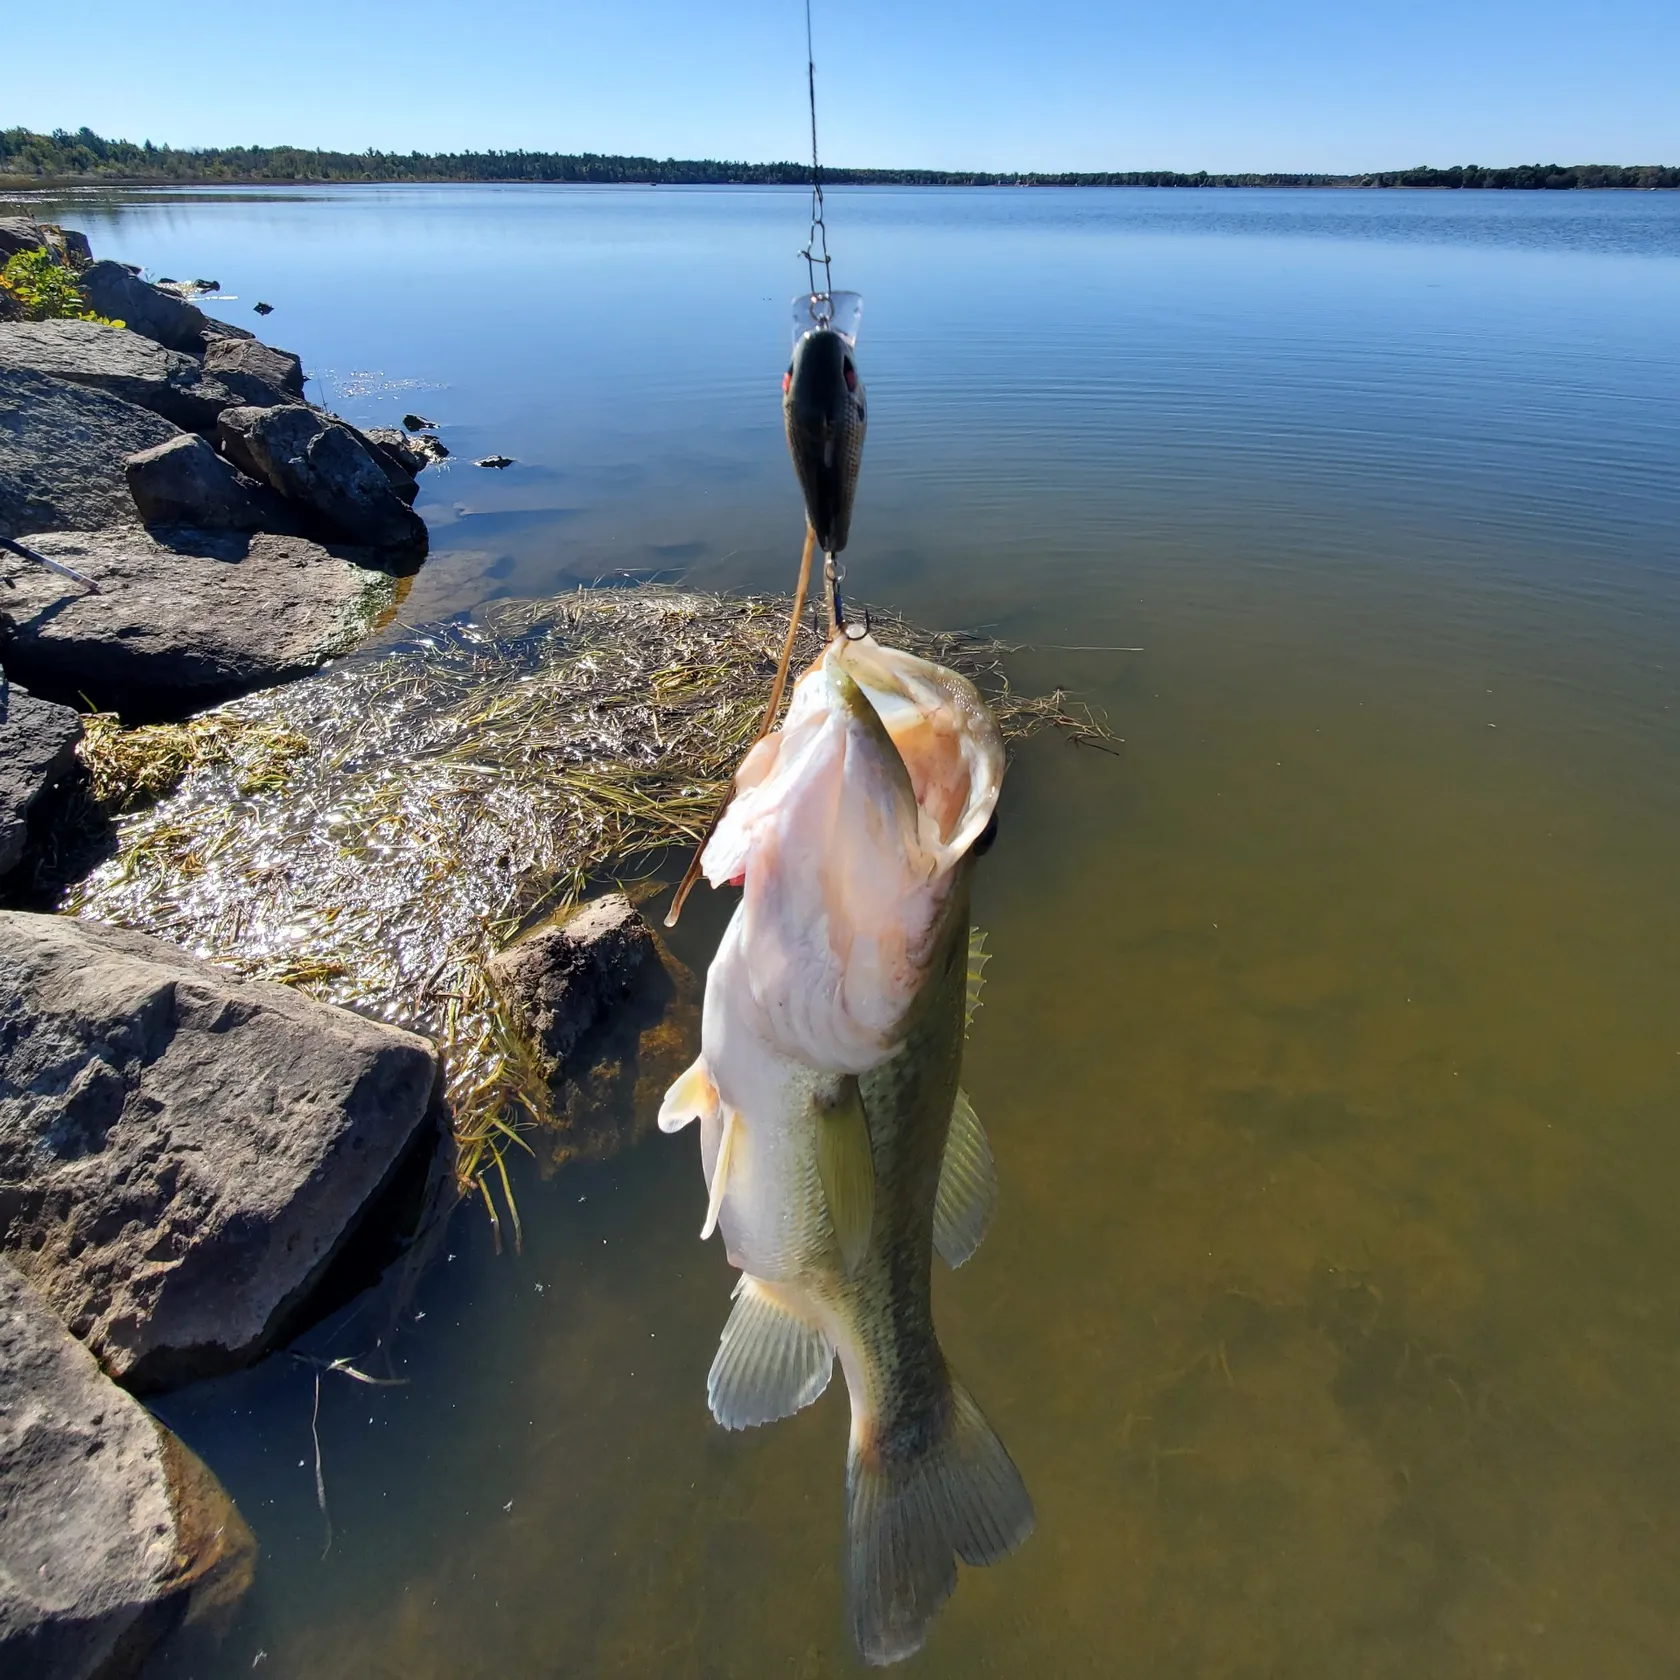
(1331, 1049)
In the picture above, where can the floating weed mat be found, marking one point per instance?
(373, 834)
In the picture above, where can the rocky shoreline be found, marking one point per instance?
(185, 1155)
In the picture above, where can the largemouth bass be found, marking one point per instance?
(838, 1149)
(824, 410)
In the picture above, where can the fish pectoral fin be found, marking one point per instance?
(846, 1166)
(692, 1097)
(978, 957)
(720, 1172)
(909, 1517)
(770, 1361)
(968, 1188)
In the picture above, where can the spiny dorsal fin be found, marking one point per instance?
(720, 1172)
(846, 1166)
(978, 957)
(770, 1361)
(968, 1190)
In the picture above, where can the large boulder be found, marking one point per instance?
(121, 295)
(257, 374)
(185, 482)
(182, 1152)
(325, 467)
(18, 234)
(37, 751)
(558, 982)
(182, 618)
(112, 359)
(109, 1527)
(62, 449)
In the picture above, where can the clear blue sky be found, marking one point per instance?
(993, 84)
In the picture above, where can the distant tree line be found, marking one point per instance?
(85, 155)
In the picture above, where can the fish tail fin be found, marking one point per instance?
(911, 1515)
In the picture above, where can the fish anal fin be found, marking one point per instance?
(968, 1189)
(910, 1518)
(978, 957)
(692, 1097)
(771, 1361)
(720, 1171)
(846, 1166)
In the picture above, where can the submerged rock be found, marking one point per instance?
(185, 482)
(559, 981)
(37, 751)
(112, 359)
(181, 1151)
(326, 468)
(62, 449)
(254, 372)
(183, 618)
(110, 1530)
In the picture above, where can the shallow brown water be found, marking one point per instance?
(1331, 1052)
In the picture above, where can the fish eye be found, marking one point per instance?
(851, 375)
(787, 379)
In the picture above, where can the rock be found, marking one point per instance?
(413, 423)
(558, 982)
(412, 453)
(263, 308)
(497, 461)
(121, 295)
(19, 233)
(123, 363)
(110, 1530)
(62, 449)
(325, 467)
(37, 751)
(183, 618)
(255, 373)
(182, 1152)
(74, 244)
(215, 328)
(185, 482)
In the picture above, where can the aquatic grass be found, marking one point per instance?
(373, 834)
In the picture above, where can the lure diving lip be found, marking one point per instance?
(826, 415)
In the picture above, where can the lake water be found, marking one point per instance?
(1331, 1052)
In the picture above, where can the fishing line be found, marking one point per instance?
(819, 228)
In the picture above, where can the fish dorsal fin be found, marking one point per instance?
(720, 1171)
(968, 1190)
(846, 1166)
(770, 1361)
(978, 957)
(692, 1097)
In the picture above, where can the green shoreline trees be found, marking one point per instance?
(86, 156)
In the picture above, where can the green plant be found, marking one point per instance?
(45, 290)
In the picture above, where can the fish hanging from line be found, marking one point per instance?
(838, 1149)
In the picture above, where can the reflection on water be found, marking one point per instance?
(1332, 1046)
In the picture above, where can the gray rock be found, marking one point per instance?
(122, 296)
(412, 454)
(183, 618)
(560, 981)
(62, 449)
(185, 482)
(19, 233)
(255, 373)
(123, 363)
(73, 243)
(325, 467)
(182, 1152)
(110, 1530)
(37, 751)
